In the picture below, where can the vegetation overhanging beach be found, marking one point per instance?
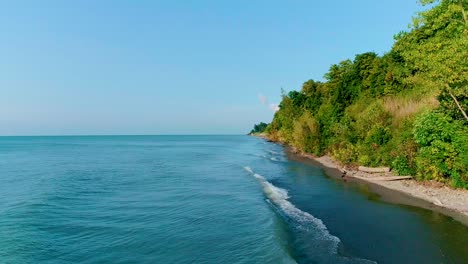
(404, 111)
(429, 195)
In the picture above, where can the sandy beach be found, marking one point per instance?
(429, 195)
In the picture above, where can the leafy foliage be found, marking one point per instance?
(259, 128)
(444, 144)
(402, 109)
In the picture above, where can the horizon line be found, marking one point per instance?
(119, 135)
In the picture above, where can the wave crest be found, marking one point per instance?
(326, 244)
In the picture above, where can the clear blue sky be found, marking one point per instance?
(173, 67)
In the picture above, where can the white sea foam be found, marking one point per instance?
(248, 169)
(279, 197)
(326, 242)
(274, 152)
(269, 157)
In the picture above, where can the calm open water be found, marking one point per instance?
(199, 199)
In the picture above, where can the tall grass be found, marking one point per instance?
(404, 106)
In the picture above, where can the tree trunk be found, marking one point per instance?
(456, 102)
(460, 2)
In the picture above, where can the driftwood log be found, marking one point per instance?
(391, 178)
(374, 170)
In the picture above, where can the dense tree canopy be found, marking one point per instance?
(259, 128)
(405, 109)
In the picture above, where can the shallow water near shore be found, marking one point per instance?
(200, 199)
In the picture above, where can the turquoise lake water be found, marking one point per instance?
(199, 199)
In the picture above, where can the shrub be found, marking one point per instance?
(306, 134)
(402, 166)
(345, 152)
(443, 146)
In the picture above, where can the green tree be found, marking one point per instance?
(259, 128)
(437, 49)
(405, 109)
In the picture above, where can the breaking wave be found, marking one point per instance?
(325, 244)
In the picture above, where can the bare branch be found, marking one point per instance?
(456, 102)
(463, 12)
